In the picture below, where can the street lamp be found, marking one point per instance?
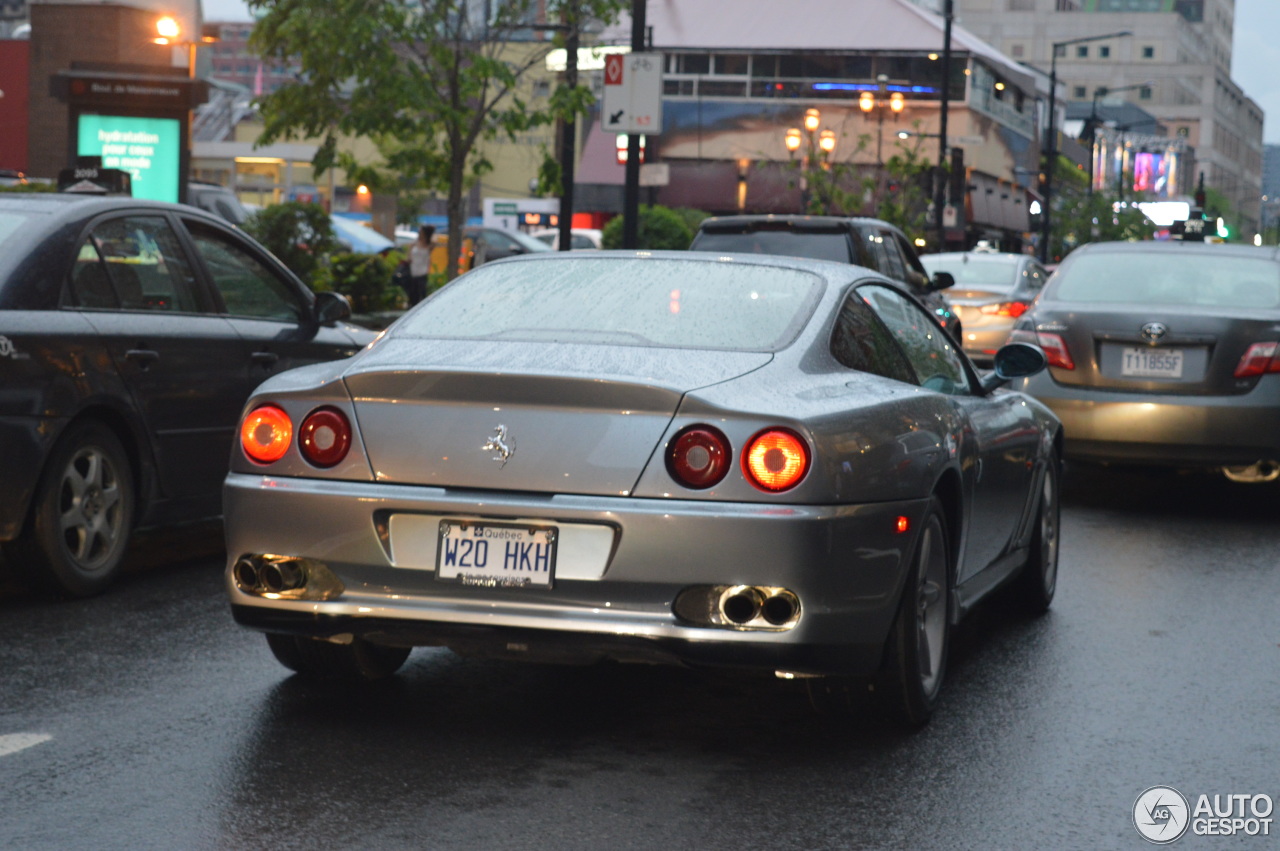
(818, 146)
(867, 101)
(1052, 142)
(169, 31)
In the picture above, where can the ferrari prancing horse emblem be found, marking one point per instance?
(502, 446)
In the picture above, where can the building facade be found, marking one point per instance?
(1177, 60)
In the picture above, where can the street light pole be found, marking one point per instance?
(1052, 140)
(940, 190)
(814, 141)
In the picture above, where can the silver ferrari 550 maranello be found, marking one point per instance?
(762, 463)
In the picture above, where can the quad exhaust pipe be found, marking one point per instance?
(285, 576)
(763, 607)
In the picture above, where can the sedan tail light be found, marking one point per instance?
(325, 437)
(698, 457)
(1260, 358)
(1012, 309)
(776, 460)
(265, 434)
(1055, 348)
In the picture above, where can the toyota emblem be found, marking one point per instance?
(1153, 331)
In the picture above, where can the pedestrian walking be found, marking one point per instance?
(420, 264)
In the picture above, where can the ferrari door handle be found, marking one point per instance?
(265, 358)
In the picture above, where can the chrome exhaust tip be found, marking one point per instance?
(278, 576)
(245, 573)
(741, 604)
(1259, 472)
(780, 608)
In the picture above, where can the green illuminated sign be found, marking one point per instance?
(148, 148)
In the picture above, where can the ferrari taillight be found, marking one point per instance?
(265, 434)
(1012, 309)
(324, 437)
(698, 457)
(776, 460)
(1260, 358)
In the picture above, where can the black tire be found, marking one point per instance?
(81, 515)
(285, 649)
(916, 659)
(360, 660)
(1036, 583)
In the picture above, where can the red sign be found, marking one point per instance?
(613, 69)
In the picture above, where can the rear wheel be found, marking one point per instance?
(1038, 580)
(81, 515)
(318, 659)
(921, 633)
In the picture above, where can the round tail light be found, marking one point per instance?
(265, 434)
(776, 460)
(698, 457)
(324, 437)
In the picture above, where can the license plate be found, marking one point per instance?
(1151, 363)
(506, 555)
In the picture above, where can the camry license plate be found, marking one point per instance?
(507, 555)
(1151, 363)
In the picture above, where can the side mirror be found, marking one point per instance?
(1014, 360)
(330, 308)
(942, 281)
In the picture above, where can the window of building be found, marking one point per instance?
(1148, 52)
(1017, 51)
(1082, 51)
(1144, 93)
(1077, 92)
(730, 63)
(1104, 52)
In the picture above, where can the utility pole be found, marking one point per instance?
(631, 189)
(940, 192)
(568, 127)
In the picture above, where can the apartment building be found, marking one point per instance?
(1177, 59)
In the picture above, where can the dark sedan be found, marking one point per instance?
(872, 243)
(131, 332)
(763, 463)
(1164, 353)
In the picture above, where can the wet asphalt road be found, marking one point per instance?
(152, 721)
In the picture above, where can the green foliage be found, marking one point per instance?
(30, 187)
(905, 195)
(659, 228)
(363, 278)
(1080, 217)
(425, 81)
(300, 234)
(692, 218)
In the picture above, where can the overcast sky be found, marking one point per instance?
(1255, 61)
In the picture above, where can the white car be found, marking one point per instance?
(583, 238)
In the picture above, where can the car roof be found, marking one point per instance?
(1152, 246)
(794, 222)
(980, 256)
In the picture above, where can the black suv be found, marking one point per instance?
(872, 243)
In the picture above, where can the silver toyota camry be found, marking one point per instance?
(768, 464)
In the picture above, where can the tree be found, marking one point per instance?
(299, 234)
(426, 80)
(1080, 216)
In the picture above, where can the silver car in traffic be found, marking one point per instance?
(767, 464)
(992, 290)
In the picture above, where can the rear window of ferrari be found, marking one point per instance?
(628, 301)
(1171, 277)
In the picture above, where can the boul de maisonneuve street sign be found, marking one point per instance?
(632, 100)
